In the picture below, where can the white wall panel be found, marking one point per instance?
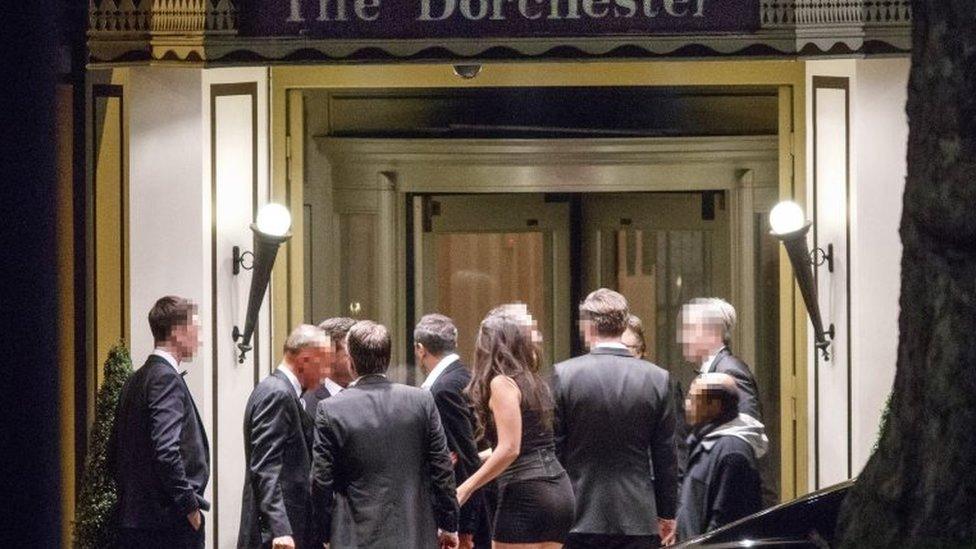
(236, 169)
(830, 188)
(828, 179)
(881, 129)
(865, 284)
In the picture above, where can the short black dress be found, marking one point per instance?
(535, 498)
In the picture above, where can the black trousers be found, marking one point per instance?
(609, 541)
(182, 536)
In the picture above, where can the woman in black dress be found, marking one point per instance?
(514, 410)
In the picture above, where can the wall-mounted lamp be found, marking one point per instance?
(790, 226)
(467, 72)
(270, 230)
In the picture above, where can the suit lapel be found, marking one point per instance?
(718, 359)
(303, 416)
(163, 363)
(451, 368)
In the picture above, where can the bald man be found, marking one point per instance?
(722, 481)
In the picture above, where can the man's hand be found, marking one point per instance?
(283, 542)
(454, 459)
(668, 530)
(447, 540)
(195, 518)
(465, 541)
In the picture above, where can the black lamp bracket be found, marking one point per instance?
(244, 348)
(818, 257)
(824, 344)
(239, 258)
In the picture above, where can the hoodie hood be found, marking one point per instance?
(745, 427)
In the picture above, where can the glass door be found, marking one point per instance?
(474, 252)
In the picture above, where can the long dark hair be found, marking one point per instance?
(506, 346)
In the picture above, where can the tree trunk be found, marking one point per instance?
(919, 487)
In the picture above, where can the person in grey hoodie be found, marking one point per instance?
(722, 482)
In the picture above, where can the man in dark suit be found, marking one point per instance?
(723, 483)
(158, 451)
(705, 336)
(614, 421)
(338, 374)
(381, 472)
(435, 340)
(276, 507)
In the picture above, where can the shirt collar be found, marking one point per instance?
(439, 369)
(356, 381)
(331, 386)
(706, 365)
(165, 355)
(291, 379)
(611, 345)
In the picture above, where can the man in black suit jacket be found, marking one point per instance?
(337, 375)
(158, 451)
(435, 342)
(614, 421)
(705, 336)
(381, 472)
(276, 507)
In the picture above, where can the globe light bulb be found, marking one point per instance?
(786, 217)
(274, 220)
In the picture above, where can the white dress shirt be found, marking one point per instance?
(165, 355)
(707, 363)
(331, 386)
(293, 380)
(439, 369)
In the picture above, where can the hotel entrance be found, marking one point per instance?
(456, 160)
(476, 251)
(454, 200)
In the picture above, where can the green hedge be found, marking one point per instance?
(95, 518)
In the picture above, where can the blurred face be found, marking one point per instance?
(633, 343)
(705, 398)
(527, 322)
(342, 366)
(311, 364)
(186, 338)
(699, 335)
(701, 405)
